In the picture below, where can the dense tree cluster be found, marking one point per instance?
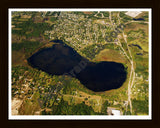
(31, 29)
(63, 108)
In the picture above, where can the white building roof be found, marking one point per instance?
(133, 13)
(116, 112)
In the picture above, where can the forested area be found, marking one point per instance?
(64, 109)
(141, 106)
(31, 29)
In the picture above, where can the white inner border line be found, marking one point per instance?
(83, 117)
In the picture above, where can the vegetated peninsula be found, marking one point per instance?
(85, 74)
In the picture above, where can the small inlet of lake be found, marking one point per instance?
(61, 59)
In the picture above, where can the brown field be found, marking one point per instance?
(28, 107)
(87, 12)
(110, 55)
(18, 58)
(26, 16)
(22, 19)
(17, 28)
(17, 38)
(136, 26)
(16, 22)
(13, 26)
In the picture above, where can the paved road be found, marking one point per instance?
(132, 72)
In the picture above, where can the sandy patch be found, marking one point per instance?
(16, 103)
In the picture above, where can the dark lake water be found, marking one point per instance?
(61, 59)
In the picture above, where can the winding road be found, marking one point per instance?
(132, 72)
